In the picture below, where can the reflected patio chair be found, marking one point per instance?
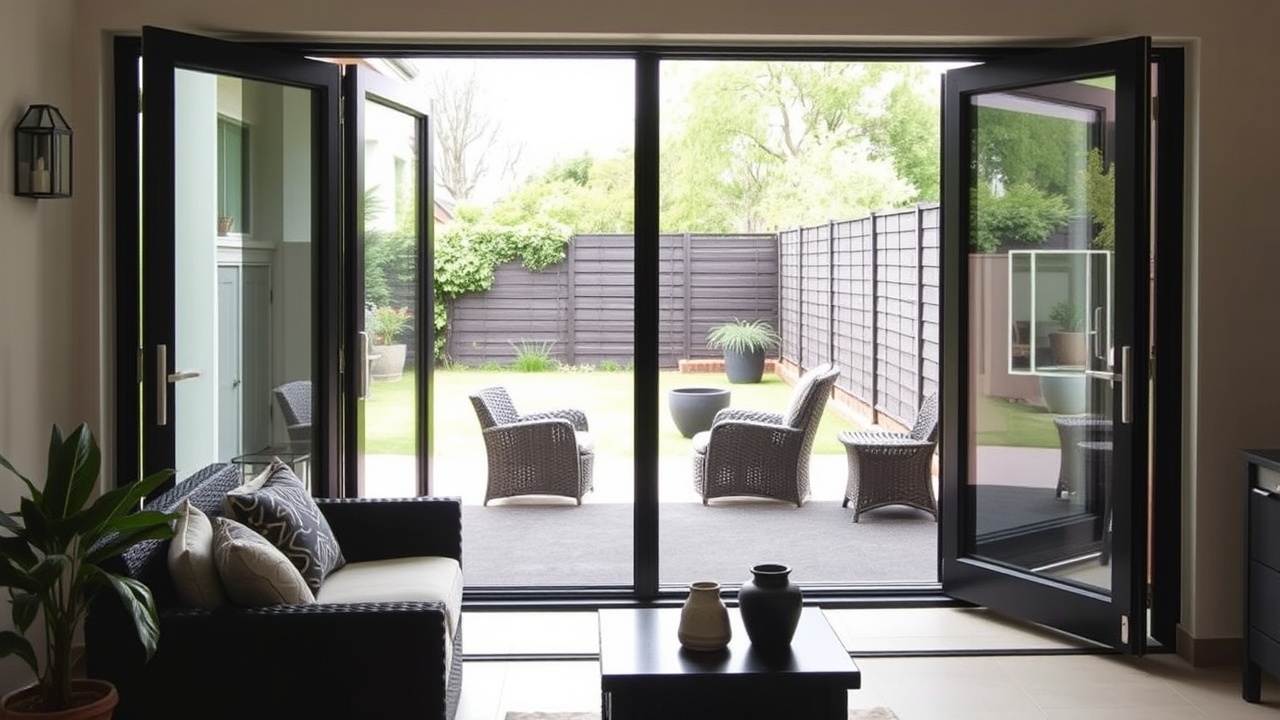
(763, 454)
(294, 399)
(543, 453)
(893, 468)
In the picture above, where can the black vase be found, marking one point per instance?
(770, 607)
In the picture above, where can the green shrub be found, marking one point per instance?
(1068, 316)
(1022, 214)
(533, 356)
(387, 323)
(743, 336)
(609, 366)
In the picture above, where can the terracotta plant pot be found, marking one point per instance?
(25, 702)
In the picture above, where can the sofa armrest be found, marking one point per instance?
(384, 528)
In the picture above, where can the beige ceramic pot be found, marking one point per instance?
(100, 696)
(704, 620)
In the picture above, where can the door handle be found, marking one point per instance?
(1124, 377)
(1097, 334)
(364, 364)
(163, 378)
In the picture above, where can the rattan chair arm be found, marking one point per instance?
(577, 417)
(753, 416)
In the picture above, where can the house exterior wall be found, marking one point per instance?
(57, 286)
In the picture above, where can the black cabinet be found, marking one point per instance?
(1262, 569)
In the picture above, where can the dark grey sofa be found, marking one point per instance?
(339, 660)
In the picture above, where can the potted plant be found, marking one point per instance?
(1068, 342)
(386, 325)
(51, 561)
(743, 343)
(224, 224)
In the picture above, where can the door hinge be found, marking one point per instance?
(1155, 108)
(342, 360)
(342, 110)
(1124, 629)
(1151, 364)
(1148, 597)
(140, 361)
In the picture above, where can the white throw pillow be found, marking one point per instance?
(253, 571)
(191, 565)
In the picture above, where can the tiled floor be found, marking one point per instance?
(984, 685)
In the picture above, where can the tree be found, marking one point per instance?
(467, 136)
(762, 145)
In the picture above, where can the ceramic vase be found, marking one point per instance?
(704, 620)
(770, 607)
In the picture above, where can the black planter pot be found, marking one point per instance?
(744, 367)
(694, 408)
(770, 606)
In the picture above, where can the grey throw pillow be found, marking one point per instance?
(277, 505)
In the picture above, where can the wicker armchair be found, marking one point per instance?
(760, 453)
(544, 453)
(294, 399)
(889, 468)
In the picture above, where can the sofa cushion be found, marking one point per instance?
(586, 443)
(406, 579)
(278, 505)
(253, 570)
(191, 563)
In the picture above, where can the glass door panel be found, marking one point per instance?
(1044, 251)
(391, 343)
(234, 248)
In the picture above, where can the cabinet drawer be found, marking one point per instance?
(1264, 651)
(1264, 528)
(1264, 599)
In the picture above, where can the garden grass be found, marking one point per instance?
(606, 397)
(1013, 424)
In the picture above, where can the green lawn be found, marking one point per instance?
(1011, 424)
(606, 398)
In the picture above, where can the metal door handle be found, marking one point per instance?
(1124, 377)
(163, 378)
(1097, 334)
(364, 364)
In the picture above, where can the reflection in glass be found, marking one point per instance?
(243, 151)
(1041, 241)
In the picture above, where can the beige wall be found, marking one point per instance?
(56, 297)
(42, 378)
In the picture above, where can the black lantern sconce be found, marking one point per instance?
(42, 154)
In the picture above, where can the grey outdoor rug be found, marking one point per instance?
(565, 544)
(873, 713)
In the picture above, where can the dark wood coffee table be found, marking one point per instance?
(645, 673)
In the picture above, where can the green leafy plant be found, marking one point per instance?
(532, 356)
(1021, 214)
(1100, 198)
(1068, 315)
(51, 558)
(468, 251)
(609, 366)
(388, 323)
(743, 336)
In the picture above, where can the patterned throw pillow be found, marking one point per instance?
(191, 564)
(253, 571)
(277, 505)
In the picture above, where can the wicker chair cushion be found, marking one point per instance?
(700, 442)
(278, 505)
(586, 443)
(253, 571)
(801, 396)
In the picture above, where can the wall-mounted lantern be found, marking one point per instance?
(42, 154)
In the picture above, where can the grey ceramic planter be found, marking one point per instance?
(694, 408)
(744, 367)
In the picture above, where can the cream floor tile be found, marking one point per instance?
(936, 629)
(524, 633)
(482, 684)
(561, 686)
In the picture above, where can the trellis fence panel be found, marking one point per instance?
(864, 293)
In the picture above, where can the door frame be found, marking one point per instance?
(255, 63)
(1167, 468)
